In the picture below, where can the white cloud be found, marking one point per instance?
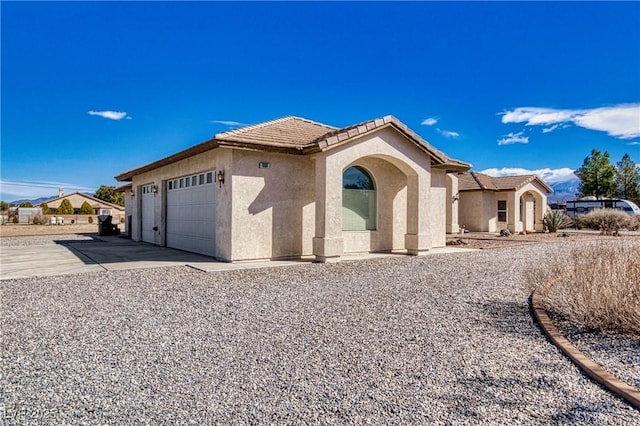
(13, 190)
(634, 143)
(620, 121)
(512, 138)
(111, 115)
(551, 176)
(448, 133)
(550, 129)
(228, 122)
(429, 121)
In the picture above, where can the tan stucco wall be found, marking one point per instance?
(478, 209)
(452, 203)
(273, 208)
(438, 208)
(414, 167)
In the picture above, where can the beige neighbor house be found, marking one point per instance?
(292, 187)
(489, 204)
(76, 199)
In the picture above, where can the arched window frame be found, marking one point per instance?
(359, 200)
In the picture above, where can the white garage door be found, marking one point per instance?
(148, 213)
(191, 213)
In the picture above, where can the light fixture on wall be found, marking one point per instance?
(220, 177)
(455, 198)
(133, 194)
(154, 188)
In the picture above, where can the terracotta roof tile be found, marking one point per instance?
(284, 132)
(474, 181)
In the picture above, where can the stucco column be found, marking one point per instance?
(452, 204)
(513, 212)
(328, 244)
(418, 237)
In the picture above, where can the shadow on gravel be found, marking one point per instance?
(508, 317)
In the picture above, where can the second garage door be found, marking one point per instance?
(191, 213)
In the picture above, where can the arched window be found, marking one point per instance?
(358, 200)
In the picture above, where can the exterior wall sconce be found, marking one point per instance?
(133, 194)
(220, 177)
(455, 198)
(154, 188)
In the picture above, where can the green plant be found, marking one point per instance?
(607, 221)
(555, 219)
(45, 208)
(86, 208)
(16, 218)
(65, 207)
(596, 286)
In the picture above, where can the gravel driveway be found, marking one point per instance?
(441, 339)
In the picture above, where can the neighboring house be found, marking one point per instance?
(489, 204)
(293, 187)
(76, 199)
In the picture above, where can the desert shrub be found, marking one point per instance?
(555, 219)
(596, 286)
(90, 219)
(86, 208)
(16, 218)
(608, 221)
(39, 219)
(505, 232)
(45, 208)
(634, 223)
(65, 207)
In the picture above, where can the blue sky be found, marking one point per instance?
(92, 89)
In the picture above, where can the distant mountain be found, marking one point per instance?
(563, 191)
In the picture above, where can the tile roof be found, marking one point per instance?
(295, 135)
(284, 132)
(474, 181)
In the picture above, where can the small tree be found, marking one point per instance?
(86, 208)
(45, 208)
(26, 204)
(65, 207)
(628, 179)
(4, 205)
(110, 195)
(597, 176)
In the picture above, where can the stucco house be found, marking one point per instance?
(489, 204)
(76, 199)
(293, 187)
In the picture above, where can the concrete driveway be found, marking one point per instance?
(63, 254)
(23, 257)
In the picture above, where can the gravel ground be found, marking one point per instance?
(620, 355)
(442, 339)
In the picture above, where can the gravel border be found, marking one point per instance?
(442, 339)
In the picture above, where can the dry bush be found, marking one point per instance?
(40, 219)
(634, 223)
(608, 221)
(596, 286)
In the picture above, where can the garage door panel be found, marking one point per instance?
(148, 213)
(191, 218)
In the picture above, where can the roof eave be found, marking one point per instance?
(189, 152)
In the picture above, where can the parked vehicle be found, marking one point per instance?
(585, 205)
